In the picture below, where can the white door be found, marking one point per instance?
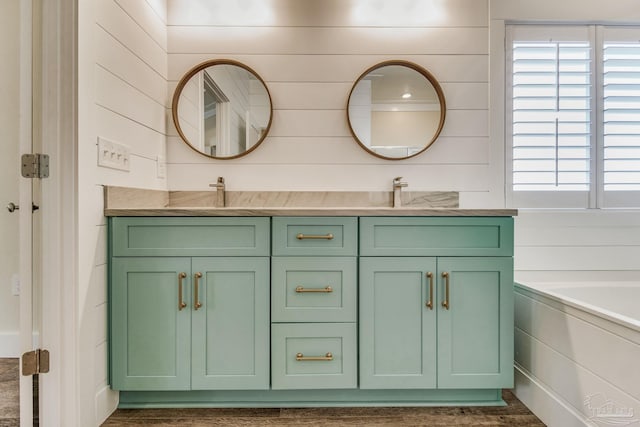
(17, 319)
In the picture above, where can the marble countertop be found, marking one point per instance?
(124, 201)
(301, 211)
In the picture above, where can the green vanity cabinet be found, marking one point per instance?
(278, 311)
(150, 336)
(189, 322)
(313, 303)
(441, 322)
(475, 332)
(397, 330)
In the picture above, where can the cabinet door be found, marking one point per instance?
(475, 334)
(397, 329)
(230, 348)
(150, 334)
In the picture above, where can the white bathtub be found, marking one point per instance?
(577, 352)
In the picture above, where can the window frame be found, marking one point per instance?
(596, 35)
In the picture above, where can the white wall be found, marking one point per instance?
(122, 91)
(9, 75)
(569, 244)
(310, 53)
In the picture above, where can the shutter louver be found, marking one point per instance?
(551, 101)
(621, 116)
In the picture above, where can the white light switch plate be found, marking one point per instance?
(161, 166)
(113, 155)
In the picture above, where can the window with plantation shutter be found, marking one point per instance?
(621, 116)
(573, 116)
(551, 116)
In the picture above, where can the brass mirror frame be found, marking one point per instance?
(185, 79)
(436, 87)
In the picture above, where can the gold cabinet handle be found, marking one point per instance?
(430, 302)
(445, 303)
(181, 303)
(301, 236)
(196, 298)
(327, 289)
(302, 358)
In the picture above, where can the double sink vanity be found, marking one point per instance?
(308, 306)
(311, 298)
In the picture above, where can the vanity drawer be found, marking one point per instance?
(308, 289)
(436, 236)
(189, 236)
(313, 356)
(300, 236)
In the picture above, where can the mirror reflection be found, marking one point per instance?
(396, 110)
(222, 109)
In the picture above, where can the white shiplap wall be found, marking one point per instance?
(310, 53)
(122, 89)
(565, 244)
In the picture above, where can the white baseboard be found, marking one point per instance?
(9, 345)
(545, 403)
(106, 402)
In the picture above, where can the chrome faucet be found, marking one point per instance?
(397, 191)
(220, 202)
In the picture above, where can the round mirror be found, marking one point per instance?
(396, 110)
(222, 109)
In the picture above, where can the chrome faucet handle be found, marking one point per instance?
(220, 190)
(398, 183)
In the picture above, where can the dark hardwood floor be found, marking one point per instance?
(9, 398)
(512, 415)
(515, 414)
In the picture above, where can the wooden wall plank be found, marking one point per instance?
(323, 41)
(325, 177)
(329, 13)
(148, 19)
(114, 20)
(447, 68)
(117, 95)
(322, 150)
(116, 58)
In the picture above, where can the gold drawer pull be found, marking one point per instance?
(326, 358)
(197, 304)
(301, 236)
(181, 303)
(327, 289)
(446, 303)
(429, 303)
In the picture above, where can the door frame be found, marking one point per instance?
(58, 212)
(25, 233)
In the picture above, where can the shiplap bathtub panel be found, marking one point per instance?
(329, 40)
(577, 340)
(334, 68)
(331, 13)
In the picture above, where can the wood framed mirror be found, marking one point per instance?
(222, 109)
(396, 110)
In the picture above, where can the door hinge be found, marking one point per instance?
(35, 362)
(35, 165)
